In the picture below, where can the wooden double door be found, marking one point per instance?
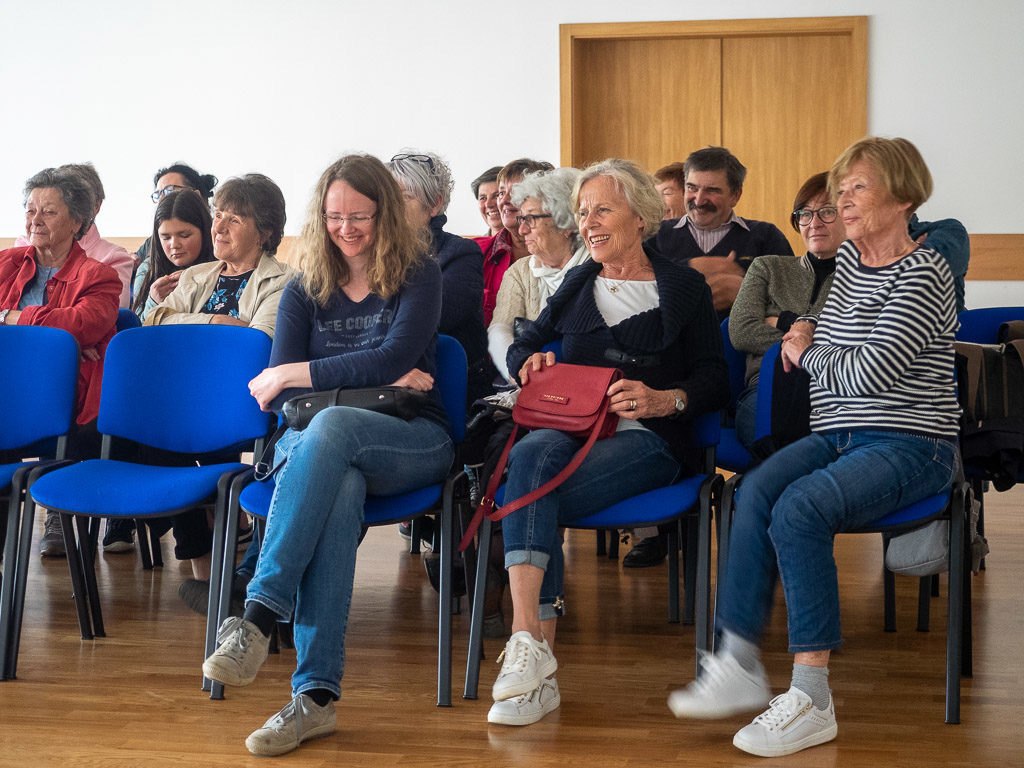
(786, 96)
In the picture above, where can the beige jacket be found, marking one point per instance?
(257, 305)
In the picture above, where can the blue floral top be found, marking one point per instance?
(224, 299)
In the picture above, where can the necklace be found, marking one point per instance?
(615, 288)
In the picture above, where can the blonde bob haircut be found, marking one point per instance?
(898, 162)
(396, 248)
(634, 182)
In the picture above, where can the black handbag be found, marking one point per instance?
(403, 402)
(296, 413)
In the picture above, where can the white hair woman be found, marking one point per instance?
(548, 226)
(426, 182)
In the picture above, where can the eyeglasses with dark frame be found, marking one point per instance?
(416, 158)
(160, 194)
(530, 219)
(826, 215)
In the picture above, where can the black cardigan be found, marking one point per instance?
(677, 345)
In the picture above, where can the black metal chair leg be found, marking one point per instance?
(476, 622)
(77, 577)
(143, 537)
(602, 548)
(88, 563)
(673, 573)
(954, 625)
(924, 601)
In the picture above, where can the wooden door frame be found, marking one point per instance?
(855, 27)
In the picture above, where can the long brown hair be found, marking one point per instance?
(397, 247)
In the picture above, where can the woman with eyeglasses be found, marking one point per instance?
(175, 178)
(243, 285)
(426, 182)
(548, 227)
(181, 231)
(884, 420)
(363, 314)
(778, 289)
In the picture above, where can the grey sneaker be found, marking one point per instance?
(527, 708)
(241, 653)
(52, 542)
(525, 663)
(722, 689)
(300, 719)
(791, 723)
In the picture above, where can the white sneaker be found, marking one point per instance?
(241, 653)
(790, 723)
(528, 707)
(300, 719)
(723, 688)
(526, 663)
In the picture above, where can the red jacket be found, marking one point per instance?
(82, 298)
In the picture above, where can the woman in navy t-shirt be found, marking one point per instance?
(364, 313)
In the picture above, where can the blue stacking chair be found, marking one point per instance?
(37, 399)
(953, 505)
(981, 326)
(197, 402)
(254, 498)
(127, 319)
(731, 454)
(691, 497)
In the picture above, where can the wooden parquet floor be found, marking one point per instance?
(133, 698)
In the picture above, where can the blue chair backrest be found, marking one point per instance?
(127, 319)
(765, 385)
(737, 362)
(37, 384)
(706, 430)
(452, 379)
(184, 387)
(981, 326)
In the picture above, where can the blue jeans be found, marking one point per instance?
(746, 416)
(308, 558)
(632, 462)
(789, 510)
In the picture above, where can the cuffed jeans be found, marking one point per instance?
(632, 462)
(789, 510)
(307, 562)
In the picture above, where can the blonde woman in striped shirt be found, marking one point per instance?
(884, 426)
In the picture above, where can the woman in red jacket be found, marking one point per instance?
(52, 282)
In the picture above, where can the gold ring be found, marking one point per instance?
(632, 405)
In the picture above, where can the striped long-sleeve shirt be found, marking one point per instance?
(882, 356)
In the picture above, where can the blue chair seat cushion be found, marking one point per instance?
(651, 508)
(907, 516)
(255, 499)
(107, 488)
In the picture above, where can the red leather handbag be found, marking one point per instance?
(566, 397)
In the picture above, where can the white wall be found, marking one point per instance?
(284, 88)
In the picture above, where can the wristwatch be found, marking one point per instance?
(680, 403)
(3, 316)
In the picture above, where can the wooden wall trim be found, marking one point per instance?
(997, 257)
(993, 257)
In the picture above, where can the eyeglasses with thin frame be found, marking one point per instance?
(826, 215)
(530, 219)
(416, 158)
(355, 221)
(160, 194)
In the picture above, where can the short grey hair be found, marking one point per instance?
(425, 176)
(74, 190)
(553, 189)
(636, 184)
